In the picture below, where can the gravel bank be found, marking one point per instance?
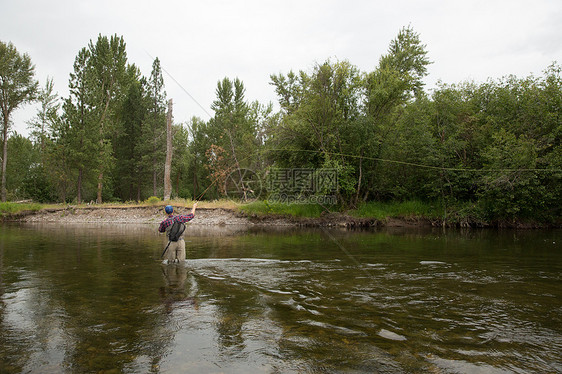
(203, 216)
(136, 215)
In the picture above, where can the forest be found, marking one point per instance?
(485, 150)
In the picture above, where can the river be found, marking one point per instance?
(97, 299)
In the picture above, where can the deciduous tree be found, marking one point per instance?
(17, 87)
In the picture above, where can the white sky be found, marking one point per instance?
(201, 42)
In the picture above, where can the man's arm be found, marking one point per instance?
(190, 216)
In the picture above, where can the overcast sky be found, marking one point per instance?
(201, 42)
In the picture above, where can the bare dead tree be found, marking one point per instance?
(168, 165)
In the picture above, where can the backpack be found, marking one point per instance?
(175, 231)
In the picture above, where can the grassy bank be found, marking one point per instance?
(375, 210)
(463, 214)
(15, 208)
(261, 208)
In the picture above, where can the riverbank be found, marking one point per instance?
(228, 213)
(154, 215)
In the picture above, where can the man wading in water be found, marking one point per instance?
(175, 226)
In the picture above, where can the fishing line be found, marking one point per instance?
(346, 252)
(180, 86)
(412, 163)
(436, 168)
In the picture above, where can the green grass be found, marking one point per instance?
(395, 209)
(295, 210)
(12, 208)
(376, 210)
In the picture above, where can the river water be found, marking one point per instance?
(97, 299)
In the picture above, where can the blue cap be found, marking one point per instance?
(169, 209)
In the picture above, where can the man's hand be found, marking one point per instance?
(194, 207)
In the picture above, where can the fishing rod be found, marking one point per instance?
(165, 249)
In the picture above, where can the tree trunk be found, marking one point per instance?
(79, 198)
(168, 165)
(4, 157)
(100, 186)
(154, 176)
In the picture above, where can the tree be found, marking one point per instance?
(154, 126)
(289, 90)
(79, 112)
(197, 148)
(108, 61)
(264, 120)
(389, 88)
(231, 129)
(47, 114)
(17, 87)
(23, 158)
(182, 160)
(509, 190)
(230, 115)
(58, 157)
(128, 153)
(336, 112)
(321, 121)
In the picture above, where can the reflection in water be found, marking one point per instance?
(177, 292)
(98, 299)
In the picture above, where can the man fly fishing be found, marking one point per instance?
(175, 226)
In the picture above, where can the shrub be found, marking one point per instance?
(153, 200)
